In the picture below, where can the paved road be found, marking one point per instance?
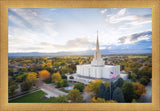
(86, 96)
(51, 91)
(147, 98)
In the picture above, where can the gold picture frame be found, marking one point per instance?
(154, 4)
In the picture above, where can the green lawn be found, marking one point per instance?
(33, 98)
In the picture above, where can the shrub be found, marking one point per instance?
(111, 101)
(133, 101)
(79, 86)
(98, 100)
(71, 77)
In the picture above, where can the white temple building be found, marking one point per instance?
(96, 70)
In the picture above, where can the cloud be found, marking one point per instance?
(139, 22)
(103, 11)
(131, 20)
(29, 28)
(109, 47)
(143, 16)
(78, 44)
(122, 12)
(117, 19)
(122, 17)
(135, 37)
(31, 49)
(34, 19)
(16, 21)
(31, 16)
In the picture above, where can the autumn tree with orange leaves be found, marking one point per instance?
(44, 75)
(139, 89)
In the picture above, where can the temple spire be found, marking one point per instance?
(97, 45)
(97, 60)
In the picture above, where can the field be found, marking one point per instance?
(33, 98)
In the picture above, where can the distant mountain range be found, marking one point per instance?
(89, 52)
(49, 54)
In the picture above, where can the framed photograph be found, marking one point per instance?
(79, 55)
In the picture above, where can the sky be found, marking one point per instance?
(52, 30)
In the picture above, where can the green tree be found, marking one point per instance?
(26, 86)
(113, 87)
(12, 90)
(147, 71)
(65, 83)
(61, 83)
(50, 69)
(73, 67)
(129, 74)
(143, 81)
(21, 78)
(10, 72)
(119, 82)
(79, 86)
(63, 63)
(12, 86)
(128, 91)
(93, 86)
(133, 75)
(75, 96)
(58, 84)
(107, 83)
(118, 95)
(107, 92)
(61, 99)
(56, 77)
(102, 91)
